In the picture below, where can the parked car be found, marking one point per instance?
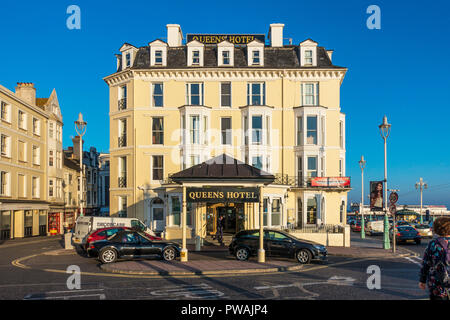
(104, 233)
(276, 243)
(406, 233)
(374, 227)
(424, 230)
(130, 244)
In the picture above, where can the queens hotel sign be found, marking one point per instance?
(217, 38)
(219, 195)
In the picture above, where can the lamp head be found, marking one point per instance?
(80, 125)
(362, 162)
(385, 128)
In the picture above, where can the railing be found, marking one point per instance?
(324, 228)
(43, 230)
(122, 182)
(122, 141)
(122, 105)
(5, 234)
(304, 182)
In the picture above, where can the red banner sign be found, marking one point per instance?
(330, 182)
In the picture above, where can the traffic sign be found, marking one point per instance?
(393, 197)
(392, 208)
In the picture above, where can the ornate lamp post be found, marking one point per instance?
(385, 129)
(421, 185)
(362, 164)
(80, 128)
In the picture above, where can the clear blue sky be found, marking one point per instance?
(401, 70)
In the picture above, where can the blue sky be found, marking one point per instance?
(401, 70)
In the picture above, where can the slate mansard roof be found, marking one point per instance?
(287, 57)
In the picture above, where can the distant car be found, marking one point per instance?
(356, 227)
(424, 230)
(406, 233)
(403, 223)
(130, 244)
(104, 233)
(276, 243)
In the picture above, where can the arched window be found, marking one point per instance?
(157, 201)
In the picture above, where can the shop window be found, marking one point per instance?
(311, 211)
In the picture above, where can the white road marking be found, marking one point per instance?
(413, 261)
(200, 291)
(66, 295)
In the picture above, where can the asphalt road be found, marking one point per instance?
(339, 278)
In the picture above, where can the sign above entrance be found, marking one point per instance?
(222, 194)
(217, 38)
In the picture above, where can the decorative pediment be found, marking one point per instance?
(308, 43)
(126, 46)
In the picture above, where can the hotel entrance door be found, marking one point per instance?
(233, 218)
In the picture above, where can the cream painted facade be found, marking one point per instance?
(297, 117)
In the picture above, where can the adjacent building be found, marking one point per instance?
(217, 112)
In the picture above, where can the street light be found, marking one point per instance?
(362, 164)
(385, 129)
(80, 128)
(421, 185)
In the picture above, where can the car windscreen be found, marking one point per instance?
(400, 229)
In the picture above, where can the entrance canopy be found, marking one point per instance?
(223, 168)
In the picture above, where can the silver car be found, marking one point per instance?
(424, 230)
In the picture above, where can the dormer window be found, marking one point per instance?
(158, 57)
(308, 58)
(128, 60)
(255, 57)
(196, 57)
(226, 57)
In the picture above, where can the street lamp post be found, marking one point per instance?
(385, 129)
(362, 164)
(80, 128)
(421, 185)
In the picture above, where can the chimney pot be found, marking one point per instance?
(276, 34)
(174, 35)
(26, 91)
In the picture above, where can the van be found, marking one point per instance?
(374, 227)
(85, 225)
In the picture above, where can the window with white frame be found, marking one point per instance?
(157, 130)
(256, 57)
(36, 126)
(158, 57)
(123, 206)
(157, 94)
(226, 57)
(194, 94)
(36, 155)
(311, 130)
(257, 162)
(157, 168)
(276, 212)
(257, 129)
(5, 111)
(22, 185)
(50, 158)
(225, 94)
(195, 57)
(5, 146)
(35, 181)
(194, 129)
(310, 94)
(22, 151)
(256, 94)
(175, 210)
(195, 159)
(299, 131)
(225, 127)
(312, 167)
(5, 184)
(311, 211)
(308, 58)
(50, 130)
(58, 132)
(128, 60)
(22, 120)
(50, 187)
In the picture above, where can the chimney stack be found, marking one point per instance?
(27, 92)
(276, 34)
(174, 35)
(330, 54)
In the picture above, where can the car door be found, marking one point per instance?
(146, 247)
(129, 244)
(278, 244)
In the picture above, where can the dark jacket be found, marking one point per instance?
(433, 254)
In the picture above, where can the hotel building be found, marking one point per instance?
(233, 123)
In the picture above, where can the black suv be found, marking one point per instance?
(276, 243)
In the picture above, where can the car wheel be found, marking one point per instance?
(303, 256)
(418, 241)
(169, 254)
(108, 256)
(242, 254)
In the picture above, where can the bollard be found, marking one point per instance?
(197, 243)
(68, 241)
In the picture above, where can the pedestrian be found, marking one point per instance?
(219, 233)
(435, 271)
